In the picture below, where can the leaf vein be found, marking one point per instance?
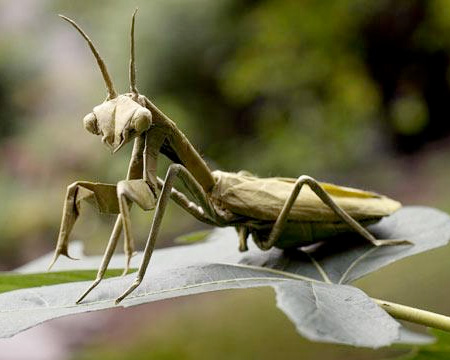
(354, 263)
(319, 268)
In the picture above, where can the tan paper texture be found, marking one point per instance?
(263, 198)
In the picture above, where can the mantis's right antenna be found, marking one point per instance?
(133, 88)
(109, 84)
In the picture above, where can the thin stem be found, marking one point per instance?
(415, 315)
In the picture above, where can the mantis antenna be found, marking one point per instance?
(109, 84)
(133, 88)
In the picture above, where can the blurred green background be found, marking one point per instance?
(353, 92)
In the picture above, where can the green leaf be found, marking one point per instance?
(12, 281)
(309, 283)
(192, 238)
(440, 350)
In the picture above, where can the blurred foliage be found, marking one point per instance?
(275, 87)
(355, 92)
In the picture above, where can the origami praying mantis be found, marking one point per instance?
(278, 212)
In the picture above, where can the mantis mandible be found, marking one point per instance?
(279, 212)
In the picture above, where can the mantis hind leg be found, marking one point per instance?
(315, 186)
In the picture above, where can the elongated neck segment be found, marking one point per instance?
(182, 149)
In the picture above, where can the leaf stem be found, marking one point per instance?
(418, 316)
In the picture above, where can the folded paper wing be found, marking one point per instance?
(263, 199)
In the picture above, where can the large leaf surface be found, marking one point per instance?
(346, 258)
(308, 282)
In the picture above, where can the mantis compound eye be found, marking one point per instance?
(142, 119)
(90, 124)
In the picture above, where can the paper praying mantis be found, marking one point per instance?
(279, 212)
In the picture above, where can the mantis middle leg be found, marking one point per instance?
(126, 192)
(323, 195)
(174, 171)
(203, 211)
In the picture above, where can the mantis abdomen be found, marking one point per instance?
(310, 220)
(263, 199)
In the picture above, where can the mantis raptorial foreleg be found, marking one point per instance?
(315, 186)
(108, 199)
(102, 196)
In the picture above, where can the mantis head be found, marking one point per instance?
(120, 118)
(118, 121)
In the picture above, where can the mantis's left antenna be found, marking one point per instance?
(109, 84)
(133, 88)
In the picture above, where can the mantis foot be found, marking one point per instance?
(93, 285)
(133, 286)
(391, 242)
